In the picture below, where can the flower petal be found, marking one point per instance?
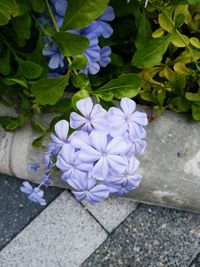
(117, 146)
(85, 106)
(76, 120)
(61, 129)
(101, 169)
(140, 118)
(128, 106)
(98, 140)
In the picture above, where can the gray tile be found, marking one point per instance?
(16, 211)
(112, 211)
(151, 237)
(64, 234)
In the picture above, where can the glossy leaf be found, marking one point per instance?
(81, 13)
(151, 53)
(71, 44)
(48, 91)
(127, 85)
(30, 69)
(194, 97)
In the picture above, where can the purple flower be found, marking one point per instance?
(88, 190)
(136, 145)
(56, 59)
(35, 194)
(106, 29)
(33, 166)
(61, 129)
(127, 119)
(93, 116)
(70, 164)
(107, 155)
(126, 182)
(105, 56)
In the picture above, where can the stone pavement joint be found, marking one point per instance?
(111, 212)
(64, 234)
(16, 211)
(151, 237)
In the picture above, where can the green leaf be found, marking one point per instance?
(79, 62)
(127, 85)
(196, 112)
(39, 141)
(117, 60)
(30, 69)
(4, 18)
(81, 13)
(22, 26)
(38, 5)
(5, 63)
(179, 21)
(144, 31)
(63, 105)
(161, 97)
(151, 53)
(148, 96)
(12, 123)
(37, 126)
(81, 81)
(71, 44)
(180, 103)
(11, 81)
(79, 95)
(48, 91)
(8, 9)
(107, 96)
(192, 96)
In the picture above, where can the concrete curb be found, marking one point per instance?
(170, 166)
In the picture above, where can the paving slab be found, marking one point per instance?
(151, 237)
(16, 211)
(64, 234)
(111, 212)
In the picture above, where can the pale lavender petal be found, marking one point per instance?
(26, 188)
(61, 129)
(140, 118)
(79, 184)
(117, 146)
(114, 112)
(62, 164)
(98, 140)
(117, 163)
(79, 139)
(68, 153)
(76, 120)
(136, 131)
(89, 154)
(101, 169)
(79, 195)
(128, 106)
(100, 191)
(133, 165)
(85, 106)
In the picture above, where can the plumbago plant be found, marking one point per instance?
(99, 157)
(54, 53)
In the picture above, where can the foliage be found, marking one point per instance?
(155, 57)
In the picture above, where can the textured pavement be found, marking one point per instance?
(117, 232)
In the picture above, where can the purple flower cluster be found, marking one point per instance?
(99, 157)
(97, 57)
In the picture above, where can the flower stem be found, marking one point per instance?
(52, 16)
